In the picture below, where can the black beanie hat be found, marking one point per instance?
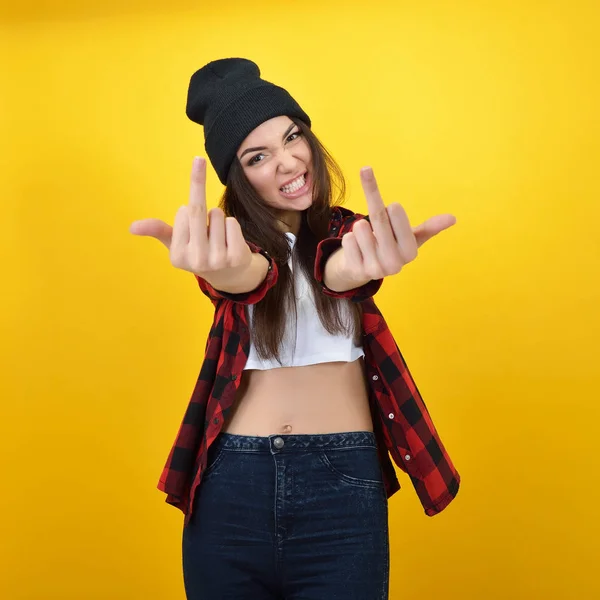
(230, 99)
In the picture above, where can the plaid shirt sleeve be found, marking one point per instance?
(251, 297)
(341, 223)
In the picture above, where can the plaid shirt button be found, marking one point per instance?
(407, 457)
(375, 377)
(391, 416)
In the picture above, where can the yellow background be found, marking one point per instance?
(486, 110)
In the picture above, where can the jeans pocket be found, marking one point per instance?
(354, 466)
(214, 458)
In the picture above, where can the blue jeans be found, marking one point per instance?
(289, 517)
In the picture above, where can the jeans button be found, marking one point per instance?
(278, 443)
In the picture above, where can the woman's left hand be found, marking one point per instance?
(386, 242)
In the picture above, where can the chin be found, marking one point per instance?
(300, 206)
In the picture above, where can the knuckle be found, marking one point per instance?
(361, 225)
(392, 263)
(198, 262)
(379, 215)
(217, 261)
(175, 257)
(374, 273)
(372, 269)
(195, 266)
(410, 253)
(393, 267)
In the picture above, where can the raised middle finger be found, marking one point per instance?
(197, 205)
(377, 213)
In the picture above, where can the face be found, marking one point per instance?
(276, 159)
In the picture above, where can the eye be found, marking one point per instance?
(253, 160)
(296, 133)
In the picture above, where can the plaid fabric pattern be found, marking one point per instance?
(402, 424)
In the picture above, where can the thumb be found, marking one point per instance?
(430, 228)
(155, 228)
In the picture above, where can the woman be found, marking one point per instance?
(282, 463)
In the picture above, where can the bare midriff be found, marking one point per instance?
(323, 398)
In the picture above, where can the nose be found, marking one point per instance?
(288, 162)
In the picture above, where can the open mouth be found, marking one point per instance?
(298, 187)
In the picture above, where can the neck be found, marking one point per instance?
(290, 221)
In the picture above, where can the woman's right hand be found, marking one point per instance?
(214, 252)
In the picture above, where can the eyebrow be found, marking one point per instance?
(264, 147)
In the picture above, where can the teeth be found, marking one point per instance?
(294, 186)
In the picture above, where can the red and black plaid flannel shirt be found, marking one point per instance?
(402, 423)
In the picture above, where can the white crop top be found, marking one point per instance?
(307, 343)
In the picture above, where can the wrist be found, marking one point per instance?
(336, 278)
(239, 279)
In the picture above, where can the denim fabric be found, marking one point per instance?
(289, 517)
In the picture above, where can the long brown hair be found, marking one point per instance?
(259, 224)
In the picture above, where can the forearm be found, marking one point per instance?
(242, 282)
(334, 279)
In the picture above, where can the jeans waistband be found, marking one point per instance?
(296, 442)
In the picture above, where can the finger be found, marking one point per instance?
(235, 242)
(153, 228)
(432, 227)
(352, 254)
(368, 248)
(181, 235)
(197, 207)
(403, 232)
(377, 213)
(217, 250)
